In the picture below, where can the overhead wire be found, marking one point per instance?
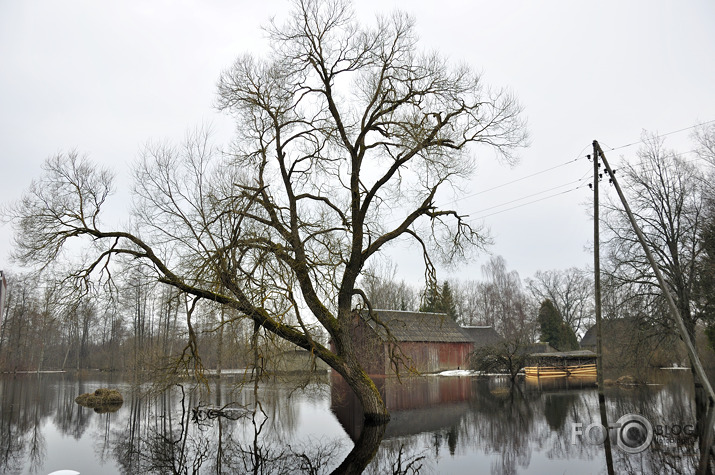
(569, 162)
(580, 180)
(517, 180)
(528, 203)
(611, 149)
(528, 196)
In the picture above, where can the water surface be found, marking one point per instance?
(439, 425)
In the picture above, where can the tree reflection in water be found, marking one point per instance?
(510, 425)
(439, 425)
(182, 435)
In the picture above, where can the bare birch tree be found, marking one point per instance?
(345, 135)
(502, 302)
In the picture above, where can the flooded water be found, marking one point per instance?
(439, 425)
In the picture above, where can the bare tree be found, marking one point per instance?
(665, 195)
(509, 356)
(379, 282)
(501, 301)
(336, 125)
(16, 333)
(469, 298)
(571, 292)
(705, 285)
(705, 138)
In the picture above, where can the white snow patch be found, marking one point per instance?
(675, 366)
(459, 372)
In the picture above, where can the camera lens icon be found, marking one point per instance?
(635, 433)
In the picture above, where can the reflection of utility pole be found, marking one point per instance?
(597, 297)
(675, 314)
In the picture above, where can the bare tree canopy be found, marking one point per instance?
(345, 134)
(501, 301)
(570, 291)
(665, 194)
(705, 138)
(383, 291)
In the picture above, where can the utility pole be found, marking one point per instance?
(675, 314)
(597, 273)
(597, 298)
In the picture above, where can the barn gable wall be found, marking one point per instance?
(421, 356)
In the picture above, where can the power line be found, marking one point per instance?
(581, 179)
(569, 162)
(518, 179)
(580, 156)
(664, 135)
(525, 204)
(527, 196)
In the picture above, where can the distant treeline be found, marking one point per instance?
(140, 325)
(50, 325)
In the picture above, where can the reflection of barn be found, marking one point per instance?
(417, 404)
(423, 342)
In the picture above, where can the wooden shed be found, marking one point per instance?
(562, 363)
(419, 341)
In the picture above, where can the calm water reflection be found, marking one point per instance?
(439, 425)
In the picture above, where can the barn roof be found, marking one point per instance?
(613, 326)
(417, 326)
(482, 335)
(589, 339)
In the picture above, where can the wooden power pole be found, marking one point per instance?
(597, 298)
(597, 273)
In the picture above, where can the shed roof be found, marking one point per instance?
(482, 335)
(567, 354)
(417, 326)
(540, 347)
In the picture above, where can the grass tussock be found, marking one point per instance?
(102, 400)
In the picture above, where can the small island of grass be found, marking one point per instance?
(101, 400)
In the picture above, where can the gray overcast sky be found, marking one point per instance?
(106, 77)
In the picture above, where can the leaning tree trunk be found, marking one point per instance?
(364, 450)
(356, 377)
(373, 405)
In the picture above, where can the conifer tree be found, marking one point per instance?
(554, 330)
(447, 303)
(431, 299)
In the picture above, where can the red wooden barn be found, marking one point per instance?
(418, 341)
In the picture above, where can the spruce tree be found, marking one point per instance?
(447, 304)
(431, 299)
(553, 328)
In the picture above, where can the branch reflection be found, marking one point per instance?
(438, 425)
